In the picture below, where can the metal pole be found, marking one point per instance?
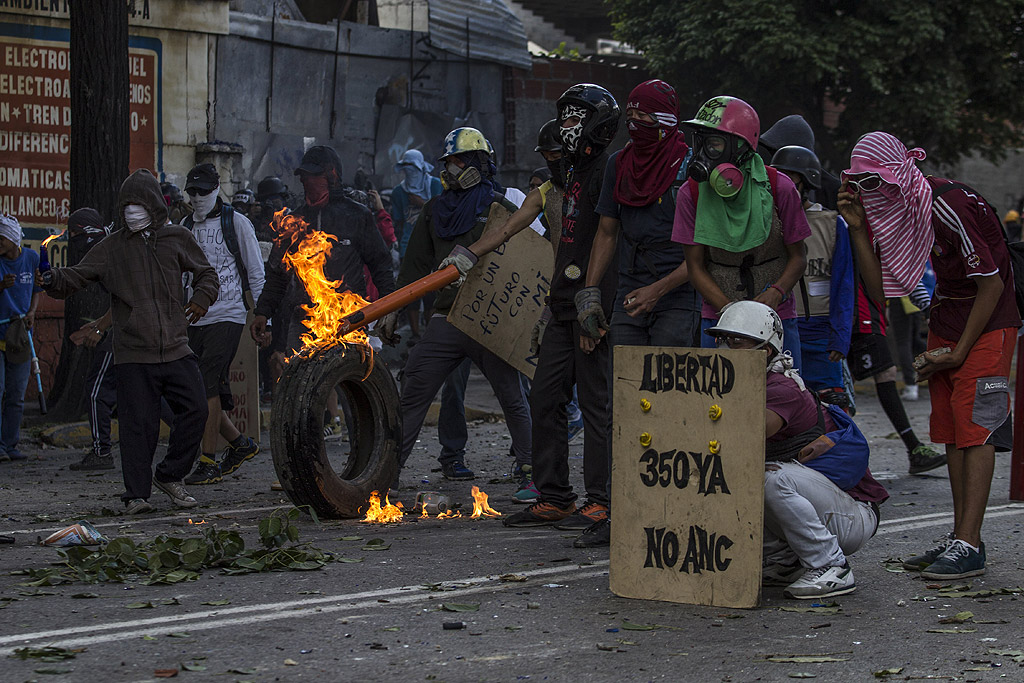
(270, 93)
(334, 81)
(1017, 458)
(469, 88)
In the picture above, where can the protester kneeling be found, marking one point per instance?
(820, 500)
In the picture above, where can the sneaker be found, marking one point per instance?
(16, 455)
(204, 473)
(823, 582)
(456, 470)
(92, 462)
(584, 517)
(958, 562)
(333, 431)
(575, 429)
(234, 457)
(539, 514)
(924, 458)
(919, 562)
(175, 490)
(137, 506)
(776, 574)
(596, 535)
(909, 393)
(526, 494)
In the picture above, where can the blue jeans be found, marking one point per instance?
(14, 380)
(451, 419)
(790, 338)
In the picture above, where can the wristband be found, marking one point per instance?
(779, 290)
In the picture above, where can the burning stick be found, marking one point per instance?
(398, 299)
(480, 506)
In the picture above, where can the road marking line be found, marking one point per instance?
(488, 580)
(945, 519)
(936, 515)
(285, 610)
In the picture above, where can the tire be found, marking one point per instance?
(297, 438)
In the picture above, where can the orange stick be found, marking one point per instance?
(399, 299)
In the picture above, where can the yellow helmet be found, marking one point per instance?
(1011, 216)
(465, 140)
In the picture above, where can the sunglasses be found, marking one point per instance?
(196, 192)
(867, 184)
(724, 342)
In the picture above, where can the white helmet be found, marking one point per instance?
(750, 320)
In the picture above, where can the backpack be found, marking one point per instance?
(1015, 249)
(845, 462)
(227, 227)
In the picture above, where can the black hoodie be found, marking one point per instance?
(142, 271)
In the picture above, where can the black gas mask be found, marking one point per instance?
(716, 160)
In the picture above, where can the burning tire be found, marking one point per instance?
(297, 437)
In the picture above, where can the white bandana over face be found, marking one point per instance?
(202, 205)
(571, 136)
(136, 217)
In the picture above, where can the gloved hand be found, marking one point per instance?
(386, 327)
(590, 313)
(538, 331)
(463, 259)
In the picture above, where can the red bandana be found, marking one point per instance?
(649, 164)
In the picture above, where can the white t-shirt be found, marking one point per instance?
(517, 197)
(230, 305)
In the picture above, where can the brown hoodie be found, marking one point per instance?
(142, 271)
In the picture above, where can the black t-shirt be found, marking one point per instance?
(579, 225)
(646, 250)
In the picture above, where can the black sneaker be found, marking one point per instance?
(204, 473)
(456, 471)
(596, 535)
(924, 458)
(92, 462)
(234, 457)
(919, 562)
(958, 562)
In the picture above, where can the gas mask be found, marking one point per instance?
(455, 178)
(715, 161)
(572, 135)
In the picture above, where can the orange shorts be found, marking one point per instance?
(970, 403)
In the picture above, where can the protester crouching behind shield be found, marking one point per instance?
(141, 265)
(19, 298)
(742, 226)
(446, 226)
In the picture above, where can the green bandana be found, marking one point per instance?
(738, 223)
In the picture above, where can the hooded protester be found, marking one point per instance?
(654, 304)
(358, 243)
(446, 225)
(794, 130)
(742, 225)
(408, 197)
(893, 210)
(18, 301)
(141, 264)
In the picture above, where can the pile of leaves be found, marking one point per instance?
(169, 559)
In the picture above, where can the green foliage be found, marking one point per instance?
(168, 559)
(943, 75)
(563, 52)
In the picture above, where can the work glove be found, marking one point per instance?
(463, 259)
(386, 327)
(538, 331)
(590, 313)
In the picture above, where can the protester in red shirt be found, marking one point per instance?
(973, 319)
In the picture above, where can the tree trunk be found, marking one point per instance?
(99, 164)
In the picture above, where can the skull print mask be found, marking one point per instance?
(571, 136)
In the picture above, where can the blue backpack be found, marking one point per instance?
(847, 461)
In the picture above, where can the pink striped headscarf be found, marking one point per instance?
(900, 212)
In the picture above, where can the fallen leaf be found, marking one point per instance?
(392, 628)
(1016, 655)
(351, 538)
(148, 637)
(345, 560)
(806, 659)
(52, 670)
(882, 673)
(192, 667)
(216, 603)
(244, 672)
(831, 608)
(512, 578)
(952, 630)
(960, 618)
(179, 634)
(290, 662)
(165, 673)
(460, 607)
(84, 596)
(989, 621)
(376, 544)
(139, 605)
(627, 642)
(606, 648)
(170, 601)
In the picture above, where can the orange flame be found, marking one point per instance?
(480, 506)
(448, 514)
(202, 521)
(51, 238)
(306, 252)
(382, 515)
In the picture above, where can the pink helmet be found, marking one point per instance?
(729, 115)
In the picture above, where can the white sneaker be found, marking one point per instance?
(823, 582)
(909, 393)
(175, 490)
(780, 574)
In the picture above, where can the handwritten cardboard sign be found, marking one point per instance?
(503, 295)
(687, 489)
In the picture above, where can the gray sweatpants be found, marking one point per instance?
(809, 519)
(430, 362)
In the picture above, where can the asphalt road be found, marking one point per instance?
(381, 617)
